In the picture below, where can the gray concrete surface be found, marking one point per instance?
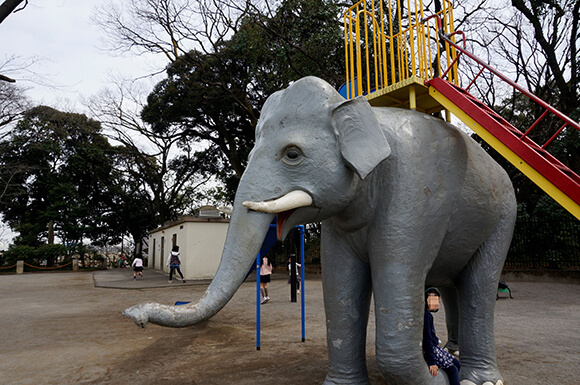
(67, 328)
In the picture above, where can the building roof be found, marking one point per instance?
(188, 218)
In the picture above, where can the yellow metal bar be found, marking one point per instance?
(412, 98)
(346, 57)
(392, 44)
(411, 52)
(377, 53)
(423, 43)
(564, 200)
(399, 40)
(430, 58)
(411, 39)
(351, 86)
(405, 58)
(367, 53)
(358, 56)
(451, 30)
(384, 80)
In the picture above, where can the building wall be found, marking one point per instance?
(205, 242)
(200, 242)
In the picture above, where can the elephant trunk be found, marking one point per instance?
(244, 239)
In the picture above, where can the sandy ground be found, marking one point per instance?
(67, 328)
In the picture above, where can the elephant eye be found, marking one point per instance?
(292, 156)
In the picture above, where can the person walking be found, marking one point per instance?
(298, 279)
(137, 267)
(265, 277)
(174, 263)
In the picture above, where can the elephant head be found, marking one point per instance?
(312, 150)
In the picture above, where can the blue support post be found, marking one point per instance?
(258, 260)
(303, 283)
(301, 229)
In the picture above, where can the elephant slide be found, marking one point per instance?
(405, 200)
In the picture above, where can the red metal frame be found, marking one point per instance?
(485, 66)
(565, 179)
(551, 168)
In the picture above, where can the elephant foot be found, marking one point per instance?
(345, 381)
(467, 382)
(452, 348)
(472, 376)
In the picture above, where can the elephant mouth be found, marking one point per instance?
(281, 219)
(284, 207)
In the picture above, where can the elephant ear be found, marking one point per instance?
(362, 142)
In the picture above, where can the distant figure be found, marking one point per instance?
(122, 262)
(137, 267)
(436, 357)
(298, 279)
(265, 274)
(174, 263)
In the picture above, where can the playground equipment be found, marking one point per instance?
(412, 62)
(269, 241)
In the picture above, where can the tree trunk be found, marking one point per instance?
(50, 239)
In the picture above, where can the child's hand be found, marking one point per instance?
(433, 370)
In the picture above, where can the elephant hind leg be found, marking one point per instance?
(477, 288)
(451, 305)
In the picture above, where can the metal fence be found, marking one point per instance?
(540, 245)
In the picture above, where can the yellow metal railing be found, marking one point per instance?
(385, 49)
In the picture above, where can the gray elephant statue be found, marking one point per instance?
(405, 200)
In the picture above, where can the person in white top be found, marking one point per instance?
(298, 279)
(265, 273)
(137, 267)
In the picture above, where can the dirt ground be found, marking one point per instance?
(67, 328)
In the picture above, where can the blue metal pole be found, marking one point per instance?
(303, 285)
(258, 260)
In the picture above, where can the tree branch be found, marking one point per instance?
(9, 6)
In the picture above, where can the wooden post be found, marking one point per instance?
(19, 267)
(75, 264)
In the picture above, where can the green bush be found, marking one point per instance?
(19, 253)
(51, 253)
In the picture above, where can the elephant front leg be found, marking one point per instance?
(347, 292)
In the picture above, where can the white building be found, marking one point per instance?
(200, 239)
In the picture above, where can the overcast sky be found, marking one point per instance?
(61, 35)
(68, 44)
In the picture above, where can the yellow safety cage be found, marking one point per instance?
(391, 49)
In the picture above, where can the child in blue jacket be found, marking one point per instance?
(436, 357)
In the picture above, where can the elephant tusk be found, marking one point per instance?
(292, 200)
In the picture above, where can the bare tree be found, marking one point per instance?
(13, 103)
(168, 27)
(535, 42)
(6, 8)
(179, 30)
(162, 164)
